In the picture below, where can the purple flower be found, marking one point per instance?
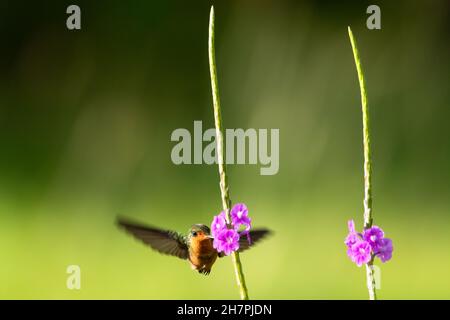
(352, 236)
(362, 247)
(219, 223)
(351, 226)
(374, 236)
(360, 252)
(226, 241)
(385, 250)
(239, 217)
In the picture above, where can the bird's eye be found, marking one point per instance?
(194, 234)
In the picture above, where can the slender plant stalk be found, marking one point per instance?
(367, 162)
(224, 190)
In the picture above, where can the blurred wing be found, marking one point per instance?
(255, 236)
(163, 241)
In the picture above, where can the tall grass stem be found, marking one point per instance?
(224, 189)
(370, 271)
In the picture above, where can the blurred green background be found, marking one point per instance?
(85, 124)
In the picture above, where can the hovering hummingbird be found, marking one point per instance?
(196, 246)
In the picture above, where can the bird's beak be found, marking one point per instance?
(210, 237)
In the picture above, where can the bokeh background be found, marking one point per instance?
(85, 124)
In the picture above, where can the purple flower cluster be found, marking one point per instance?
(362, 247)
(226, 238)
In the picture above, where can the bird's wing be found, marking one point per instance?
(255, 236)
(163, 241)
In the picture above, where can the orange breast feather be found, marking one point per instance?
(202, 253)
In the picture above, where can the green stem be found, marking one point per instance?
(367, 162)
(224, 190)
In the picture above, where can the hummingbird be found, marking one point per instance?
(196, 246)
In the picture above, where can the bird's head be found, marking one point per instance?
(199, 232)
